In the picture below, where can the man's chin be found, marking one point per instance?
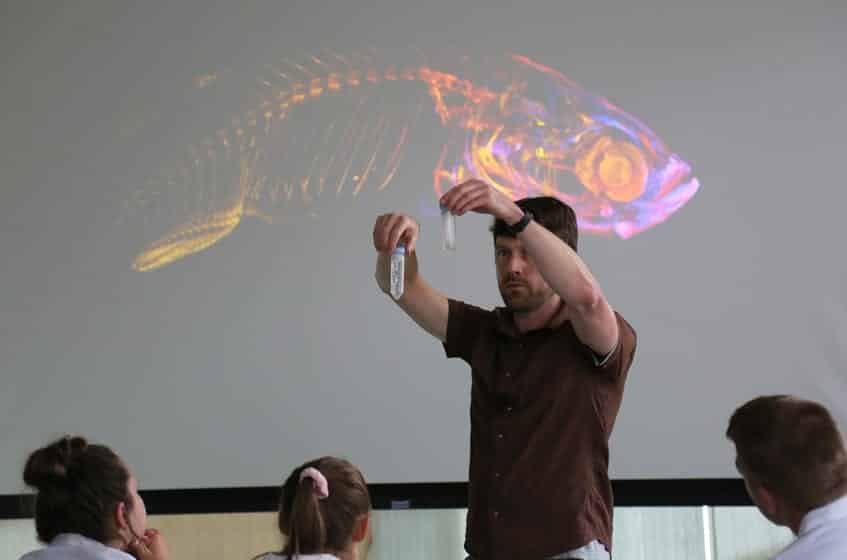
(521, 303)
(513, 296)
(517, 304)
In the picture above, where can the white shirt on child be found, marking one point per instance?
(70, 546)
(275, 556)
(822, 536)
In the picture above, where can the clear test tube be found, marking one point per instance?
(397, 274)
(448, 229)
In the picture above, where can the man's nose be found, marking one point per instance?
(516, 264)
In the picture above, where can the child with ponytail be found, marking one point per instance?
(324, 512)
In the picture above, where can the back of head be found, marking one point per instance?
(791, 447)
(78, 488)
(551, 213)
(316, 524)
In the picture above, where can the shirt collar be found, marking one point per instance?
(829, 513)
(75, 540)
(506, 322)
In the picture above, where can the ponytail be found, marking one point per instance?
(307, 525)
(320, 505)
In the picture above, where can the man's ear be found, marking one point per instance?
(361, 530)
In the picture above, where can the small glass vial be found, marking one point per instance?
(448, 229)
(398, 271)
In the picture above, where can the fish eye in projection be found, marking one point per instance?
(338, 126)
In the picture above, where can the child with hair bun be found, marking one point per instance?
(87, 505)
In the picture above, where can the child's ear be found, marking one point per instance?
(120, 516)
(361, 530)
(768, 502)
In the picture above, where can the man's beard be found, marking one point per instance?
(526, 301)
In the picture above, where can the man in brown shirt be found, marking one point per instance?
(548, 372)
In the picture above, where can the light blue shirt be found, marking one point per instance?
(822, 536)
(69, 546)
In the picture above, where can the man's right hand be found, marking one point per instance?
(391, 229)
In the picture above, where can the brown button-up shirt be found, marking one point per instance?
(542, 412)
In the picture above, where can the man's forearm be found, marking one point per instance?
(561, 267)
(591, 315)
(420, 301)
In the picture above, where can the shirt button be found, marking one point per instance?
(499, 436)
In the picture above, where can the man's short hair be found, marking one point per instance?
(791, 447)
(551, 213)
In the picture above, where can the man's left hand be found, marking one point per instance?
(477, 196)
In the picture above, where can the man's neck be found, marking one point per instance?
(551, 313)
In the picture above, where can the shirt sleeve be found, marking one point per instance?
(464, 325)
(616, 364)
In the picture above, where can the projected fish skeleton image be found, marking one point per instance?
(338, 127)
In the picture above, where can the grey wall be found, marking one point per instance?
(272, 346)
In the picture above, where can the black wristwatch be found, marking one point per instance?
(521, 224)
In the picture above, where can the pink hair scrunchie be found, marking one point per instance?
(321, 485)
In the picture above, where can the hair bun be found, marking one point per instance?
(49, 466)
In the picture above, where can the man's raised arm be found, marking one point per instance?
(564, 271)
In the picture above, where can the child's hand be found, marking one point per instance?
(151, 546)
